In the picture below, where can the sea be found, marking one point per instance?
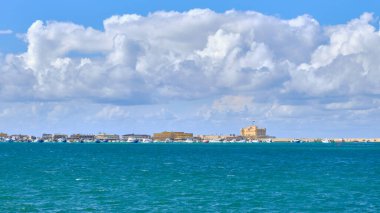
(276, 177)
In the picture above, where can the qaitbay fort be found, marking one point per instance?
(253, 132)
(248, 134)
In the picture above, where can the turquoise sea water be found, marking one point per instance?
(189, 177)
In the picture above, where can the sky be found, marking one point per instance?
(297, 68)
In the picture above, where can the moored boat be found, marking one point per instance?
(189, 140)
(268, 140)
(296, 140)
(326, 140)
(215, 141)
(146, 140)
(168, 140)
(132, 140)
(9, 140)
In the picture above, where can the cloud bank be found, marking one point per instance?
(244, 62)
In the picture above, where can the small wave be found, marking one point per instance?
(80, 179)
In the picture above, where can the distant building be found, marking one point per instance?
(136, 136)
(3, 135)
(253, 132)
(19, 137)
(176, 136)
(47, 137)
(78, 137)
(108, 137)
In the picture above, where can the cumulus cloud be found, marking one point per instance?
(246, 108)
(347, 65)
(233, 104)
(162, 56)
(247, 61)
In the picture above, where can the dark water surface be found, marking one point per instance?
(189, 177)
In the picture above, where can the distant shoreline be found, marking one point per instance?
(182, 142)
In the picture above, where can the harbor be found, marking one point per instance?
(249, 134)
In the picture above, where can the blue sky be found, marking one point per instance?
(299, 68)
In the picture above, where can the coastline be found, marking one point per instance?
(266, 141)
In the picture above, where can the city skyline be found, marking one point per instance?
(306, 70)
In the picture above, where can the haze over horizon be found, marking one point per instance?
(205, 68)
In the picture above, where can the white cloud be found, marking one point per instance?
(163, 56)
(246, 108)
(5, 112)
(248, 64)
(347, 65)
(112, 112)
(6, 32)
(233, 104)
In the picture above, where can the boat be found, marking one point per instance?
(132, 140)
(38, 140)
(168, 140)
(9, 140)
(189, 140)
(296, 141)
(215, 141)
(326, 140)
(146, 140)
(268, 140)
(61, 140)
